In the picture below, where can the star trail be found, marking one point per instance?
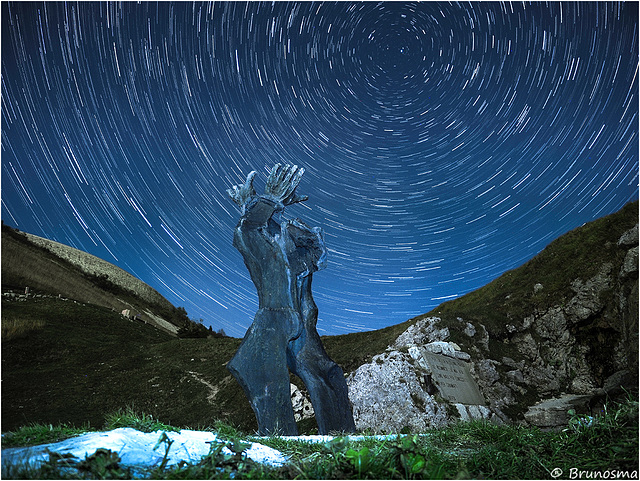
(443, 143)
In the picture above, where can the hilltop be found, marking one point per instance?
(74, 363)
(95, 266)
(54, 269)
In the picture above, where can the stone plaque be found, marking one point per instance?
(453, 379)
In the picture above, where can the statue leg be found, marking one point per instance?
(325, 382)
(260, 367)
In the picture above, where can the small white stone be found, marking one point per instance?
(462, 355)
(462, 409)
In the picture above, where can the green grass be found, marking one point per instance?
(34, 434)
(608, 441)
(86, 361)
(129, 418)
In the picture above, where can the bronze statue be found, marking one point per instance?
(281, 259)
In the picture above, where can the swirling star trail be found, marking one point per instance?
(444, 144)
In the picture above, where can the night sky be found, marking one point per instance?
(444, 144)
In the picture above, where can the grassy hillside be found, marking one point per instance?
(579, 254)
(56, 269)
(74, 363)
(94, 266)
(65, 362)
(80, 362)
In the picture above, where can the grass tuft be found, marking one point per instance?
(19, 327)
(129, 418)
(35, 434)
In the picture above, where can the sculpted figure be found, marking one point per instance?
(281, 259)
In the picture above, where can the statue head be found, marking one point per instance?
(305, 247)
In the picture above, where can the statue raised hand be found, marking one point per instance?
(282, 183)
(241, 193)
(281, 187)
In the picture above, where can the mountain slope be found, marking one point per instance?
(56, 269)
(74, 363)
(93, 265)
(558, 333)
(578, 254)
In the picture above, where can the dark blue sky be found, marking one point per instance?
(443, 143)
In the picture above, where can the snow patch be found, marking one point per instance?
(136, 449)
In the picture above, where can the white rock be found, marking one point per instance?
(434, 347)
(387, 396)
(474, 412)
(442, 347)
(630, 264)
(302, 407)
(462, 410)
(416, 353)
(462, 355)
(422, 332)
(630, 237)
(470, 329)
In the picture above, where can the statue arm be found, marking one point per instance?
(259, 210)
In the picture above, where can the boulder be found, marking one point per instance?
(391, 394)
(554, 413)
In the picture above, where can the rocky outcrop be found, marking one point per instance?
(421, 382)
(533, 369)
